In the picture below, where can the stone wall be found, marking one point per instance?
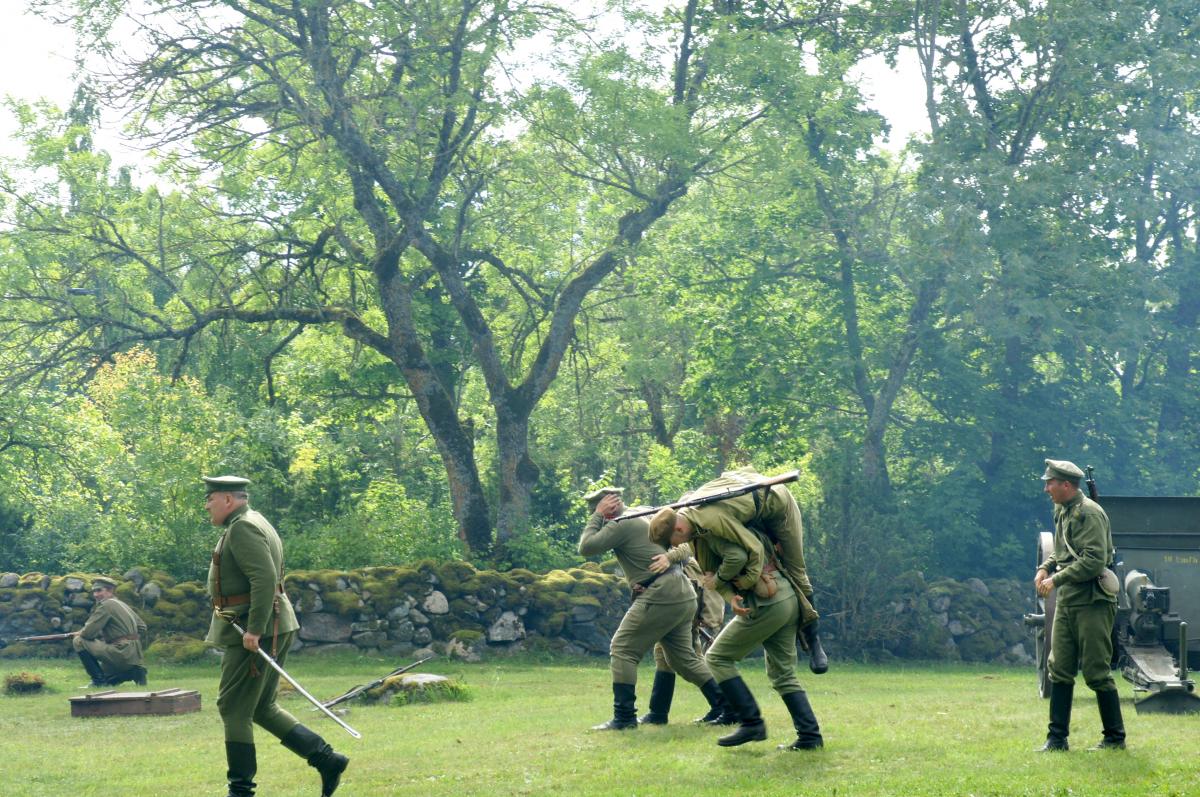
(454, 609)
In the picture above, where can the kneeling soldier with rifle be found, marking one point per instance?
(663, 608)
(245, 582)
(109, 644)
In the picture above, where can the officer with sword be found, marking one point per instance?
(251, 616)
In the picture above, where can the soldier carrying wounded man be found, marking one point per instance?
(751, 549)
(663, 608)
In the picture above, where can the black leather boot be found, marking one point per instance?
(751, 727)
(624, 710)
(1110, 716)
(319, 755)
(94, 670)
(136, 673)
(808, 732)
(818, 662)
(1060, 717)
(243, 764)
(661, 695)
(719, 712)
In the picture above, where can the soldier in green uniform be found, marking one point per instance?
(245, 581)
(706, 624)
(664, 605)
(774, 512)
(110, 642)
(736, 559)
(1084, 609)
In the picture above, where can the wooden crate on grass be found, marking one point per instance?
(121, 704)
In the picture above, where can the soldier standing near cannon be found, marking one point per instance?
(1081, 638)
(110, 644)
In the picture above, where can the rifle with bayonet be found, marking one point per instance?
(358, 690)
(732, 492)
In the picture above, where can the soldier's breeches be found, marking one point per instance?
(101, 651)
(246, 695)
(647, 623)
(660, 659)
(774, 627)
(1082, 640)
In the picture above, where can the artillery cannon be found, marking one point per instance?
(1158, 565)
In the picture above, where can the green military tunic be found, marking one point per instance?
(112, 634)
(246, 578)
(771, 623)
(1083, 614)
(771, 511)
(662, 612)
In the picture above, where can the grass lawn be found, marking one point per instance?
(921, 730)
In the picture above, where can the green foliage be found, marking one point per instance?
(664, 275)
(448, 691)
(536, 549)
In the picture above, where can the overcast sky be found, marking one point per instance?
(37, 61)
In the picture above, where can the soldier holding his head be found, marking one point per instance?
(1081, 638)
(110, 642)
(664, 605)
(245, 581)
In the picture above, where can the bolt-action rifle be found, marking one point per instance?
(358, 690)
(46, 637)
(1091, 484)
(732, 492)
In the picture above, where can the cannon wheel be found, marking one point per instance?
(1045, 605)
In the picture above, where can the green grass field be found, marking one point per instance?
(928, 730)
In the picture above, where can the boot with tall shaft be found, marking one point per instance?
(1060, 717)
(319, 755)
(242, 764)
(751, 727)
(661, 695)
(1109, 704)
(808, 732)
(719, 712)
(624, 710)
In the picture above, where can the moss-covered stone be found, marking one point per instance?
(553, 624)
(343, 603)
(982, 646)
(177, 649)
(33, 581)
(453, 574)
(557, 581)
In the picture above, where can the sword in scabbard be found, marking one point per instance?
(283, 674)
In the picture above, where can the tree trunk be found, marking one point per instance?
(518, 473)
